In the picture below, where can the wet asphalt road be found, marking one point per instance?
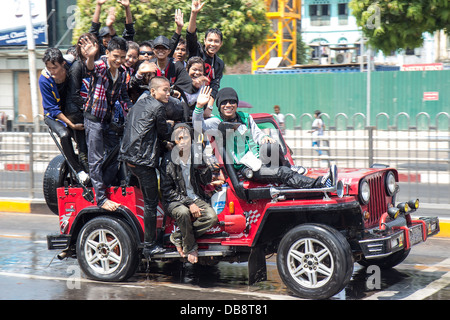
(28, 271)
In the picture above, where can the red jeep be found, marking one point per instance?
(317, 234)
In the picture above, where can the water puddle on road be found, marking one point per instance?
(222, 275)
(412, 279)
(394, 284)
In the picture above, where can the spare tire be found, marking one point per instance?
(56, 173)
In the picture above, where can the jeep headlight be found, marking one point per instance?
(364, 191)
(390, 183)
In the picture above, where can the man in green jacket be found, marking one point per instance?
(245, 143)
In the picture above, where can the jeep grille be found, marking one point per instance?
(378, 198)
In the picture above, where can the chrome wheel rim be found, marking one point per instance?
(310, 263)
(103, 251)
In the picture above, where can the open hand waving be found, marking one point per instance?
(203, 97)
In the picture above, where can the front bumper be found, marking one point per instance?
(378, 245)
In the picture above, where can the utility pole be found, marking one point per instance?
(32, 64)
(369, 71)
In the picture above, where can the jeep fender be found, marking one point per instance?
(278, 219)
(91, 212)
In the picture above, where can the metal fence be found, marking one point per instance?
(419, 147)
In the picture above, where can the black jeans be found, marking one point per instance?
(286, 176)
(101, 142)
(65, 135)
(149, 186)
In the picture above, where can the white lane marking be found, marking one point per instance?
(169, 285)
(420, 294)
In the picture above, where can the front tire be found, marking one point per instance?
(314, 261)
(107, 250)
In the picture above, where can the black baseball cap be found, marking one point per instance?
(104, 31)
(226, 94)
(161, 41)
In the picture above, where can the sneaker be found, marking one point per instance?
(150, 249)
(299, 169)
(330, 178)
(83, 177)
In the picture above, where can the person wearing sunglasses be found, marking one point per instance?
(145, 51)
(250, 147)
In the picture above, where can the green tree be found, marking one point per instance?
(243, 22)
(399, 24)
(303, 50)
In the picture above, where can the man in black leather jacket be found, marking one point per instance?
(182, 175)
(145, 128)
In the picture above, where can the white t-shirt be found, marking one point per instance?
(280, 118)
(317, 126)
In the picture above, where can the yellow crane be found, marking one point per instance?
(282, 39)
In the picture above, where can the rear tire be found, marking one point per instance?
(56, 173)
(314, 261)
(107, 250)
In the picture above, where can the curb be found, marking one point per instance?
(444, 224)
(39, 206)
(24, 206)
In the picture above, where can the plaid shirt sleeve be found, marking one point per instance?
(97, 103)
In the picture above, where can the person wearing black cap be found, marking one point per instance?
(167, 67)
(105, 34)
(247, 141)
(182, 174)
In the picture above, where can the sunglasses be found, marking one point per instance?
(143, 53)
(160, 48)
(231, 102)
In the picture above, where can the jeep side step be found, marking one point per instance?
(212, 251)
(201, 253)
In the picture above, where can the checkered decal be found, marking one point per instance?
(251, 217)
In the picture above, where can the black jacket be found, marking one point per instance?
(145, 128)
(172, 184)
(214, 66)
(177, 75)
(75, 102)
(128, 34)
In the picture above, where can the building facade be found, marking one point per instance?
(15, 94)
(328, 23)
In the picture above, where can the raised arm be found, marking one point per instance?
(197, 5)
(179, 21)
(198, 121)
(98, 10)
(128, 15)
(110, 19)
(89, 50)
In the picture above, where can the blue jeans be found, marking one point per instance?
(317, 143)
(101, 141)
